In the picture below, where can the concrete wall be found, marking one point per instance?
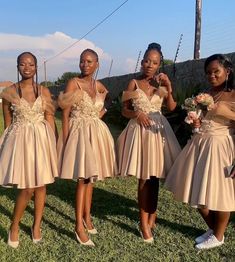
(188, 74)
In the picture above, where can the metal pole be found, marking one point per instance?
(137, 63)
(110, 68)
(176, 54)
(197, 29)
(45, 73)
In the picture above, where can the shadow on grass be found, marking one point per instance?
(106, 205)
(186, 230)
(7, 213)
(11, 194)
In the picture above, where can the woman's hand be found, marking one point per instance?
(143, 120)
(233, 174)
(196, 123)
(102, 112)
(163, 80)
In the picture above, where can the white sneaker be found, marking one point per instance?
(204, 236)
(210, 242)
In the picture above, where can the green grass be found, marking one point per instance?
(115, 215)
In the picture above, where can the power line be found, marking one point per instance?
(91, 30)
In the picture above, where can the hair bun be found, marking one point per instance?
(154, 46)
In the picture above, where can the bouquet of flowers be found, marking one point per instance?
(195, 105)
(205, 101)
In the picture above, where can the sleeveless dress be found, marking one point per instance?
(145, 152)
(28, 156)
(89, 150)
(198, 176)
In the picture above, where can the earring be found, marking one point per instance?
(226, 83)
(96, 73)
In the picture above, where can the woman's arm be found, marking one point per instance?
(165, 81)
(170, 102)
(66, 112)
(102, 90)
(7, 115)
(49, 116)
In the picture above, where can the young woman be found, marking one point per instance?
(86, 147)
(28, 146)
(199, 175)
(147, 147)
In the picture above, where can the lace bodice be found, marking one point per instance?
(145, 104)
(86, 107)
(219, 122)
(141, 102)
(24, 113)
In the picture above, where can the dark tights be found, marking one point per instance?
(147, 200)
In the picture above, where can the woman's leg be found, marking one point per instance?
(39, 203)
(143, 197)
(79, 210)
(216, 220)
(21, 203)
(153, 200)
(87, 205)
(208, 216)
(221, 220)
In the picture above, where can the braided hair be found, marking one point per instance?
(227, 64)
(18, 73)
(155, 47)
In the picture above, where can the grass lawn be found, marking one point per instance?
(115, 215)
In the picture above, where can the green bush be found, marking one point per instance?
(114, 114)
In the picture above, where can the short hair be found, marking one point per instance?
(90, 51)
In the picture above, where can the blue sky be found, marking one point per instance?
(47, 27)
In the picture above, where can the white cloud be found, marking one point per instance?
(131, 65)
(45, 48)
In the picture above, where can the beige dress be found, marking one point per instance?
(145, 152)
(198, 176)
(28, 156)
(89, 151)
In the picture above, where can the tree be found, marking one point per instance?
(47, 83)
(66, 77)
(168, 62)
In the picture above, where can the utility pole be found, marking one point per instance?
(197, 29)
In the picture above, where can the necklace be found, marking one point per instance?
(148, 84)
